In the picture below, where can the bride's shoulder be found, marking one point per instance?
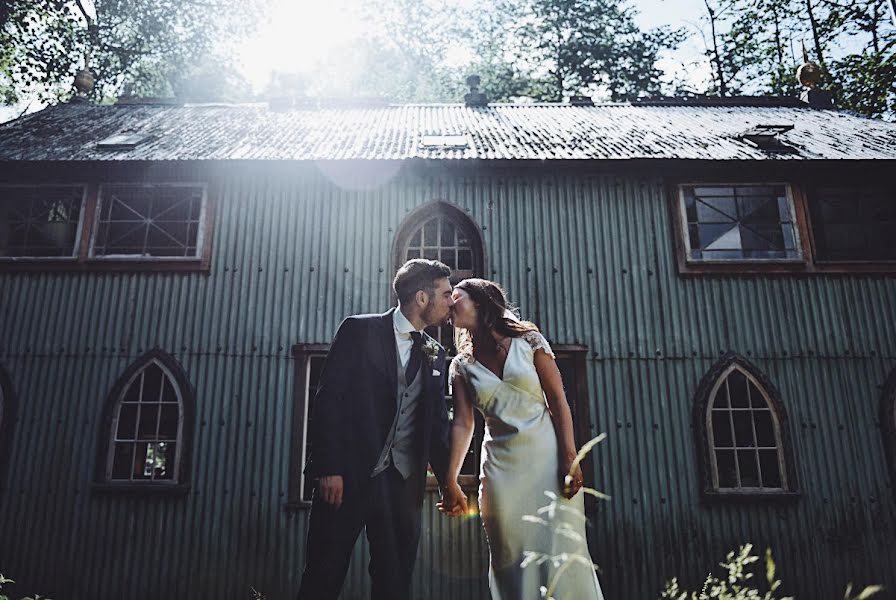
(537, 341)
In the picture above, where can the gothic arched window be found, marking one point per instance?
(441, 231)
(741, 430)
(148, 425)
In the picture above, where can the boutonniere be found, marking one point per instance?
(431, 349)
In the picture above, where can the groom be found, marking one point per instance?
(379, 417)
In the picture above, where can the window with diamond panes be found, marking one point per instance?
(853, 223)
(147, 428)
(40, 221)
(149, 221)
(739, 223)
(746, 453)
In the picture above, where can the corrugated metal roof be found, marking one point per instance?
(395, 132)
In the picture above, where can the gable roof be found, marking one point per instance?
(73, 132)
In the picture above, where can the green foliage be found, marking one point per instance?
(549, 49)
(738, 583)
(4, 581)
(755, 46)
(145, 47)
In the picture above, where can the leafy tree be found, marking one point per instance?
(757, 45)
(150, 46)
(554, 48)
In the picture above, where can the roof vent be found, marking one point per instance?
(450, 141)
(475, 97)
(122, 141)
(581, 101)
(765, 137)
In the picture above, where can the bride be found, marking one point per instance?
(506, 369)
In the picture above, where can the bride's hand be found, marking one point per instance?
(570, 485)
(454, 500)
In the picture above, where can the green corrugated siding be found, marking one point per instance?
(588, 257)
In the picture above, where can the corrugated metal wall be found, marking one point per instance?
(588, 257)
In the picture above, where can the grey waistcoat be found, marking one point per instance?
(401, 448)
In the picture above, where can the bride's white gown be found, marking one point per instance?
(519, 464)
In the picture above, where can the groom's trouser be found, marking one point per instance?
(390, 507)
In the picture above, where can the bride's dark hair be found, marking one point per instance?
(491, 305)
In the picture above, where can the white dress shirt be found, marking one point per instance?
(403, 328)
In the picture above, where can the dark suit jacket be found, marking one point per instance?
(356, 403)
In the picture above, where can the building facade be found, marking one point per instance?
(722, 296)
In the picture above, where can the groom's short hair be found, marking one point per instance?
(418, 274)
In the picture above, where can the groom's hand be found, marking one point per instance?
(331, 489)
(454, 501)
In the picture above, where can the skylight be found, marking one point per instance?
(452, 140)
(765, 137)
(121, 141)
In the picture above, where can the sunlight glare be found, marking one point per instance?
(295, 35)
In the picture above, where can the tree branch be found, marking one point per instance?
(84, 12)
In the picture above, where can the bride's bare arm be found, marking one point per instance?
(461, 434)
(552, 384)
(461, 426)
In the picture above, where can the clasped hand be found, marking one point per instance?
(454, 500)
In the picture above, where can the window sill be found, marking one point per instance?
(688, 269)
(741, 267)
(716, 497)
(102, 265)
(142, 489)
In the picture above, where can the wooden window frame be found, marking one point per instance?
(420, 215)
(803, 235)
(583, 425)
(84, 261)
(417, 219)
(180, 483)
(888, 424)
(834, 263)
(302, 355)
(79, 232)
(469, 482)
(703, 432)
